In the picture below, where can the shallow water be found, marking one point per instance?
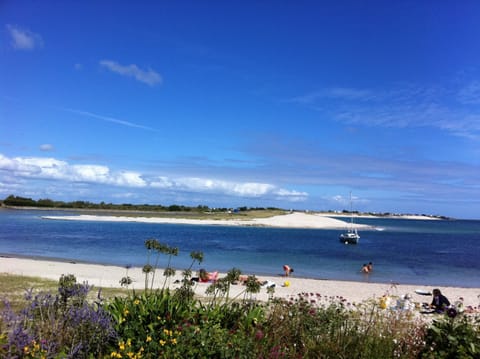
(443, 253)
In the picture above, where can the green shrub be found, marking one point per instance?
(455, 337)
(160, 324)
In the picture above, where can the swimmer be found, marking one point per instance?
(365, 268)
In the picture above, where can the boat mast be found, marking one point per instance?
(351, 213)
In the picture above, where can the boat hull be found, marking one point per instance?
(349, 238)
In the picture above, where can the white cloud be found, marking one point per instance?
(195, 184)
(89, 173)
(23, 39)
(46, 147)
(150, 77)
(162, 182)
(50, 168)
(34, 168)
(252, 189)
(129, 179)
(336, 93)
(470, 94)
(402, 106)
(294, 196)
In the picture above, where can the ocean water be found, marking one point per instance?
(430, 253)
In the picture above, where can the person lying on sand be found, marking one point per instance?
(205, 277)
(263, 283)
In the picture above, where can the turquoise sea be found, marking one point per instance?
(440, 253)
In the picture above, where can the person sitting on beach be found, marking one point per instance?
(439, 302)
(287, 270)
(365, 269)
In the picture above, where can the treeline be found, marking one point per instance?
(17, 201)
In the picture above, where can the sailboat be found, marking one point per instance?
(351, 236)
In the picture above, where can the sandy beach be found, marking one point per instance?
(352, 292)
(291, 220)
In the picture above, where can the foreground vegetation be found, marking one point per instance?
(75, 322)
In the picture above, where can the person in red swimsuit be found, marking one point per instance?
(287, 270)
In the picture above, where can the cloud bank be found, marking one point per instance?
(47, 168)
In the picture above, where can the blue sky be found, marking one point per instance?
(290, 104)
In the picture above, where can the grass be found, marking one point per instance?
(14, 287)
(242, 215)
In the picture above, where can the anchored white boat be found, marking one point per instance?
(351, 236)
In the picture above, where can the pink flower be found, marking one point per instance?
(259, 335)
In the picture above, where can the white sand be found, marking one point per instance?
(109, 276)
(291, 220)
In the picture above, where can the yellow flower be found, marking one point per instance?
(121, 346)
(149, 338)
(125, 312)
(162, 342)
(113, 354)
(136, 302)
(130, 354)
(26, 349)
(173, 341)
(129, 342)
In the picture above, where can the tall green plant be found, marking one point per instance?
(186, 291)
(453, 337)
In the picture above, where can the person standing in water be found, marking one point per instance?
(365, 269)
(287, 270)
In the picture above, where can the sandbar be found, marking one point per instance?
(290, 220)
